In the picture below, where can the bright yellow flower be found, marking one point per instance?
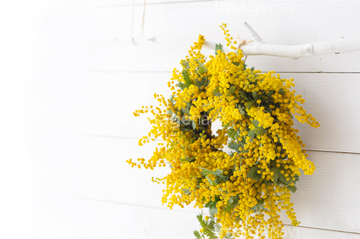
(246, 185)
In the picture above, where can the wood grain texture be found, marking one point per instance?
(79, 53)
(327, 199)
(92, 219)
(114, 3)
(331, 98)
(288, 23)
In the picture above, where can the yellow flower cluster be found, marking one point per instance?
(245, 171)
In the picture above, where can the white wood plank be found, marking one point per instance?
(331, 98)
(176, 26)
(327, 199)
(334, 101)
(104, 174)
(114, 3)
(310, 233)
(56, 101)
(98, 38)
(91, 219)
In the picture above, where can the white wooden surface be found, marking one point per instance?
(306, 21)
(81, 78)
(333, 104)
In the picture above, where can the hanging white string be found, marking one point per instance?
(142, 23)
(242, 43)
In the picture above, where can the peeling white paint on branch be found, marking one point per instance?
(259, 47)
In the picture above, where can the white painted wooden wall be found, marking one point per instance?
(80, 78)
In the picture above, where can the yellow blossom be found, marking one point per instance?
(246, 185)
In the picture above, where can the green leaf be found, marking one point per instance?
(208, 227)
(218, 47)
(234, 199)
(212, 183)
(197, 234)
(276, 174)
(255, 123)
(185, 110)
(270, 93)
(201, 220)
(202, 70)
(292, 188)
(234, 146)
(228, 208)
(282, 91)
(232, 203)
(181, 85)
(233, 134)
(241, 109)
(186, 77)
(228, 236)
(188, 159)
(185, 64)
(258, 206)
(217, 172)
(232, 90)
(212, 203)
(253, 173)
(252, 133)
(217, 92)
(206, 172)
(282, 178)
(243, 95)
(213, 211)
(250, 104)
(255, 95)
(260, 131)
(203, 82)
(186, 191)
(225, 126)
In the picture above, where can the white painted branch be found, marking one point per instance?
(253, 33)
(259, 47)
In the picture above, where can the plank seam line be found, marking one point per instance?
(178, 210)
(110, 137)
(330, 151)
(280, 72)
(154, 3)
(135, 138)
(326, 229)
(317, 72)
(132, 204)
